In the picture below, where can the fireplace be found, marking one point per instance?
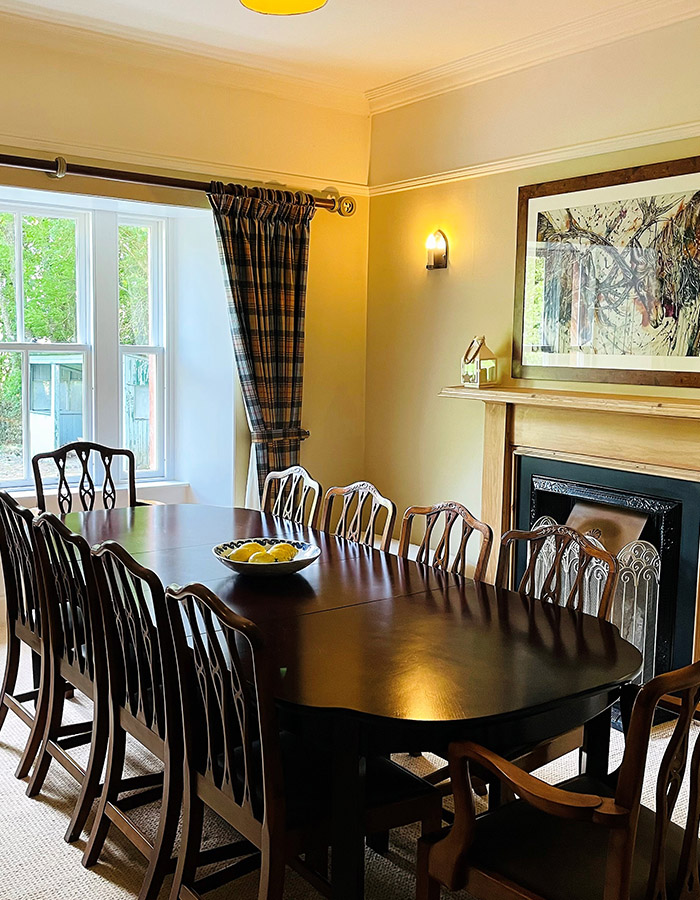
(548, 489)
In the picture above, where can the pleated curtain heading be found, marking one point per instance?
(263, 238)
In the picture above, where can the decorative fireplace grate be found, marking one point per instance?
(636, 600)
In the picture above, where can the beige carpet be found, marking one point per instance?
(36, 863)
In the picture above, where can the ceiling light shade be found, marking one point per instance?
(283, 7)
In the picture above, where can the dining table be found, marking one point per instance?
(385, 655)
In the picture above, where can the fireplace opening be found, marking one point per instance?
(651, 523)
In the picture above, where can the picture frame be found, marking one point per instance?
(607, 277)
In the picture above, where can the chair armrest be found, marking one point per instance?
(539, 794)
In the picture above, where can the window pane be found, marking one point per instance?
(134, 284)
(8, 307)
(50, 284)
(11, 448)
(139, 399)
(55, 404)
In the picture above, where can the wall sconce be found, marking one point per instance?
(436, 247)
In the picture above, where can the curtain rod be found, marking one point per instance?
(58, 168)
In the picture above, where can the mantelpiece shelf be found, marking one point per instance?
(631, 404)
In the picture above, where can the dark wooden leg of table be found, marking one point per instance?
(348, 840)
(595, 753)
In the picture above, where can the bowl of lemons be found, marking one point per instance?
(266, 556)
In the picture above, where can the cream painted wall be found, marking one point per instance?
(421, 449)
(108, 102)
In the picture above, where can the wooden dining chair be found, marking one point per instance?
(76, 659)
(144, 704)
(450, 512)
(269, 785)
(563, 567)
(86, 454)
(25, 626)
(362, 505)
(292, 494)
(583, 839)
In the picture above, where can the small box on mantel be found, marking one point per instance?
(479, 365)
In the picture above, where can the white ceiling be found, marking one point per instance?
(361, 45)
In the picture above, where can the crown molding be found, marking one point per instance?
(75, 34)
(175, 165)
(615, 24)
(561, 154)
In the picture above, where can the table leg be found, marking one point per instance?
(595, 753)
(347, 832)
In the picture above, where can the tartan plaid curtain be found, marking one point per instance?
(263, 239)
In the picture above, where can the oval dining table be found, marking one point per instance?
(387, 655)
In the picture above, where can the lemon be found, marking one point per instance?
(244, 552)
(282, 552)
(262, 557)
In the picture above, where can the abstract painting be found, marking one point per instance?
(609, 277)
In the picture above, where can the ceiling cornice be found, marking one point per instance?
(631, 141)
(615, 24)
(212, 64)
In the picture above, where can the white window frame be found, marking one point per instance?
(97, 297)
(157, 334)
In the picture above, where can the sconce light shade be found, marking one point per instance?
(436, 247)
(283, 7)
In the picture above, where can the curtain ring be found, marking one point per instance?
(61, 168)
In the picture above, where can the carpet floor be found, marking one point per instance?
(36, 863)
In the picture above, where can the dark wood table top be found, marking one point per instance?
(371, 634)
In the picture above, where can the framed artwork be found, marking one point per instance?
(608, 277)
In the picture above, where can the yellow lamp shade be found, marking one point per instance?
(283, 7)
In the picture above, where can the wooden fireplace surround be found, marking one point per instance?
(654, 435)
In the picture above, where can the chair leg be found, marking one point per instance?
(91, 782)
(41, 714)
(54, 717)
(159, 863)
(190, 845)
(110, 792)
(10, 677)
(272, 871)
(427, 888)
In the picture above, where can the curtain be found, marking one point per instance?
(263, 240)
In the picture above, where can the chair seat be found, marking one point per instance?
(519, 843)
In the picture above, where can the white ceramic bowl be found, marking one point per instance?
(307, 554)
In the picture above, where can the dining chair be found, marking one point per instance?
(584, 838)
(144, 704)
(563, 567)
(24, 626)
(76, 659)
(86, 453)
(292, 494)
(272, 787)
(362, 505)
(450, 512)
(567, 569)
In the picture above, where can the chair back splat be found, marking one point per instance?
(362, 505)
(439, 558)
(563, 567)
(86, 453)
(144, 702)
(231, 730)
(292, 494)
(19, 567)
